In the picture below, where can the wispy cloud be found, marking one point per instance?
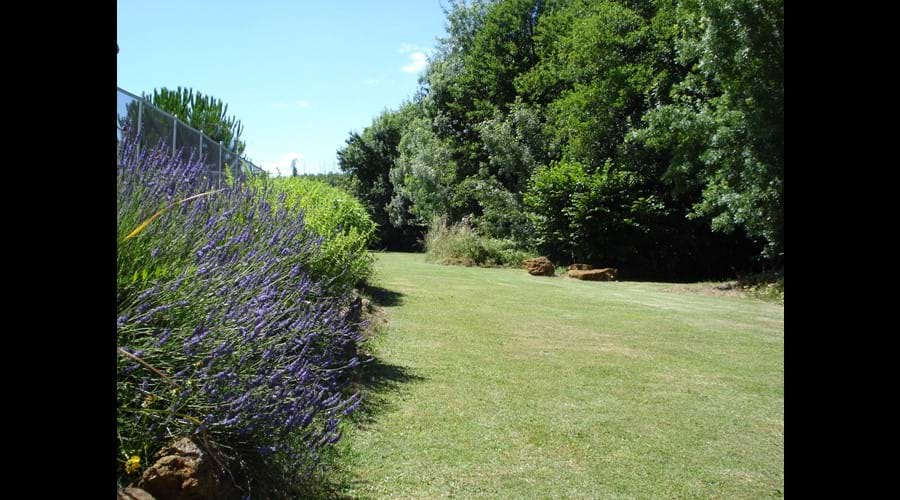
(303, 103)
(372, 81)
(417, 62)
(418, 57)
(282, 165)
(280, 105)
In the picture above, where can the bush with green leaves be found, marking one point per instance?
(460, 244)
(503, 215)
(336, 216)
(598, 217)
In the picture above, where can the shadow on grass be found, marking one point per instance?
(383, 297)
(381, 385)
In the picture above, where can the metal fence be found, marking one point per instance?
(154, 125)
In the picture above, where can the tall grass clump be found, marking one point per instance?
(764, 285)
(223, 333)
(340, 219)
(460, 244)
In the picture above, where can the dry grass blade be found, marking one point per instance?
(143, 225)
(148, 366)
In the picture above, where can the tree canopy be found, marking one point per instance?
(646, 134)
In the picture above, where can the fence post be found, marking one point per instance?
(221, 166)
(174, 131)
(140, 113)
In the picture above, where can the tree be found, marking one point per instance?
(515, 144)
(205, 113)
(725, 123)
(639, 133)
(294, 167)
(368, 158)
(423, 176)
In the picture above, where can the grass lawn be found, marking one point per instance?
(493, 383)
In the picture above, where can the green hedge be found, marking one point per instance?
(339, 218)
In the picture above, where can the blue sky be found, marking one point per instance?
(299, 75)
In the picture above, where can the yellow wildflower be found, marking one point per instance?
(133, 464)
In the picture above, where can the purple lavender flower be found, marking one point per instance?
(164, 337)
(244, 327)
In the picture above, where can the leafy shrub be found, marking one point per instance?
(335, 179)
(502, 214)
(584, 217)
(460, 244)
(222, 332)
(340, 219)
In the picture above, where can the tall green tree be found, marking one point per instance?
(724, 125)
(368, 158)
(203, 112)
(423, 176)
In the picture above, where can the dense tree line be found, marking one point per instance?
(642, 134)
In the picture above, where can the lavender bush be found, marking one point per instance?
(222, 333)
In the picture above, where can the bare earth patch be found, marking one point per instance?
(724, 288)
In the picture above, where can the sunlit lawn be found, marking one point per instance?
(494, 383)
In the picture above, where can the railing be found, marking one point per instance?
(154, 125)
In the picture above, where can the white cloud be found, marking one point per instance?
(408, 47)
(303, 103)
(371, 81)
(418, 61)
(283, 164)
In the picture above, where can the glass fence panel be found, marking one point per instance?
(158, 127)
(187, 141)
